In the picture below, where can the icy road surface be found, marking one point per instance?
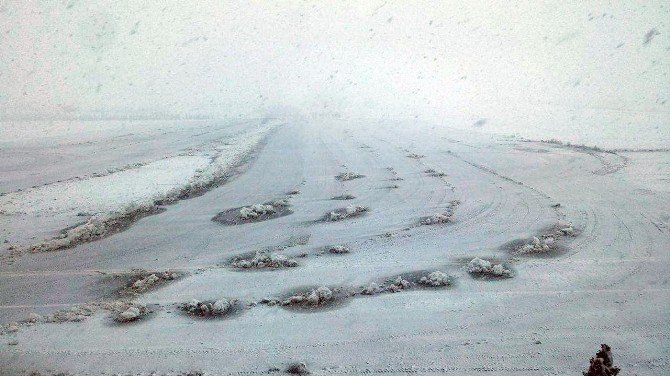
(607, 284)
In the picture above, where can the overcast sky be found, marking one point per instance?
(476, 59)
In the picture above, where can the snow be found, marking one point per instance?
(611, 229)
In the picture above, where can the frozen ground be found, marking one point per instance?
(608, 284)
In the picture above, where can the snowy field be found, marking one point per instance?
(417, 198)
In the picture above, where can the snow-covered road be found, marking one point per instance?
(609, 284)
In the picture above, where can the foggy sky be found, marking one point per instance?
(493, 60)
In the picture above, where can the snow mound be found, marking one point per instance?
(339, 249)
(440, 218)
(96, 227)
(435, 279)
(207, 308)
(484, 267)
(346, 176)
(348, 212)
(263, 260)
(317, 297)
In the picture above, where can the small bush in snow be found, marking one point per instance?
(435, 279)
(150, 281)
(314, 298)
(484, 267)
(256, 210)
(440, 218)
(265, 260)
(398, 285)
(207, 308)
(343, 197)
(371, 289)
(546, 242)
(338, 249)
(346, 176)
(297, 369)
(348, 212)
(132, 313)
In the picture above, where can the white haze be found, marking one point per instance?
(592, 72)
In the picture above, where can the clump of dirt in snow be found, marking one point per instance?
(208, 308)
(440, 218)
(415, 156)
(435, 279)
(344, 213)
(263, 260)
(434, 173)
(546, 242)
(145, 281)
(338, 249)
(484, 268)
(254, 213)
(293, 192)
(343, 197)
(298, 368)
(346, 176)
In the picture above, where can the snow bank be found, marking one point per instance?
(484, 267)
(263, 260)
(348, 212)
(119, 199)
